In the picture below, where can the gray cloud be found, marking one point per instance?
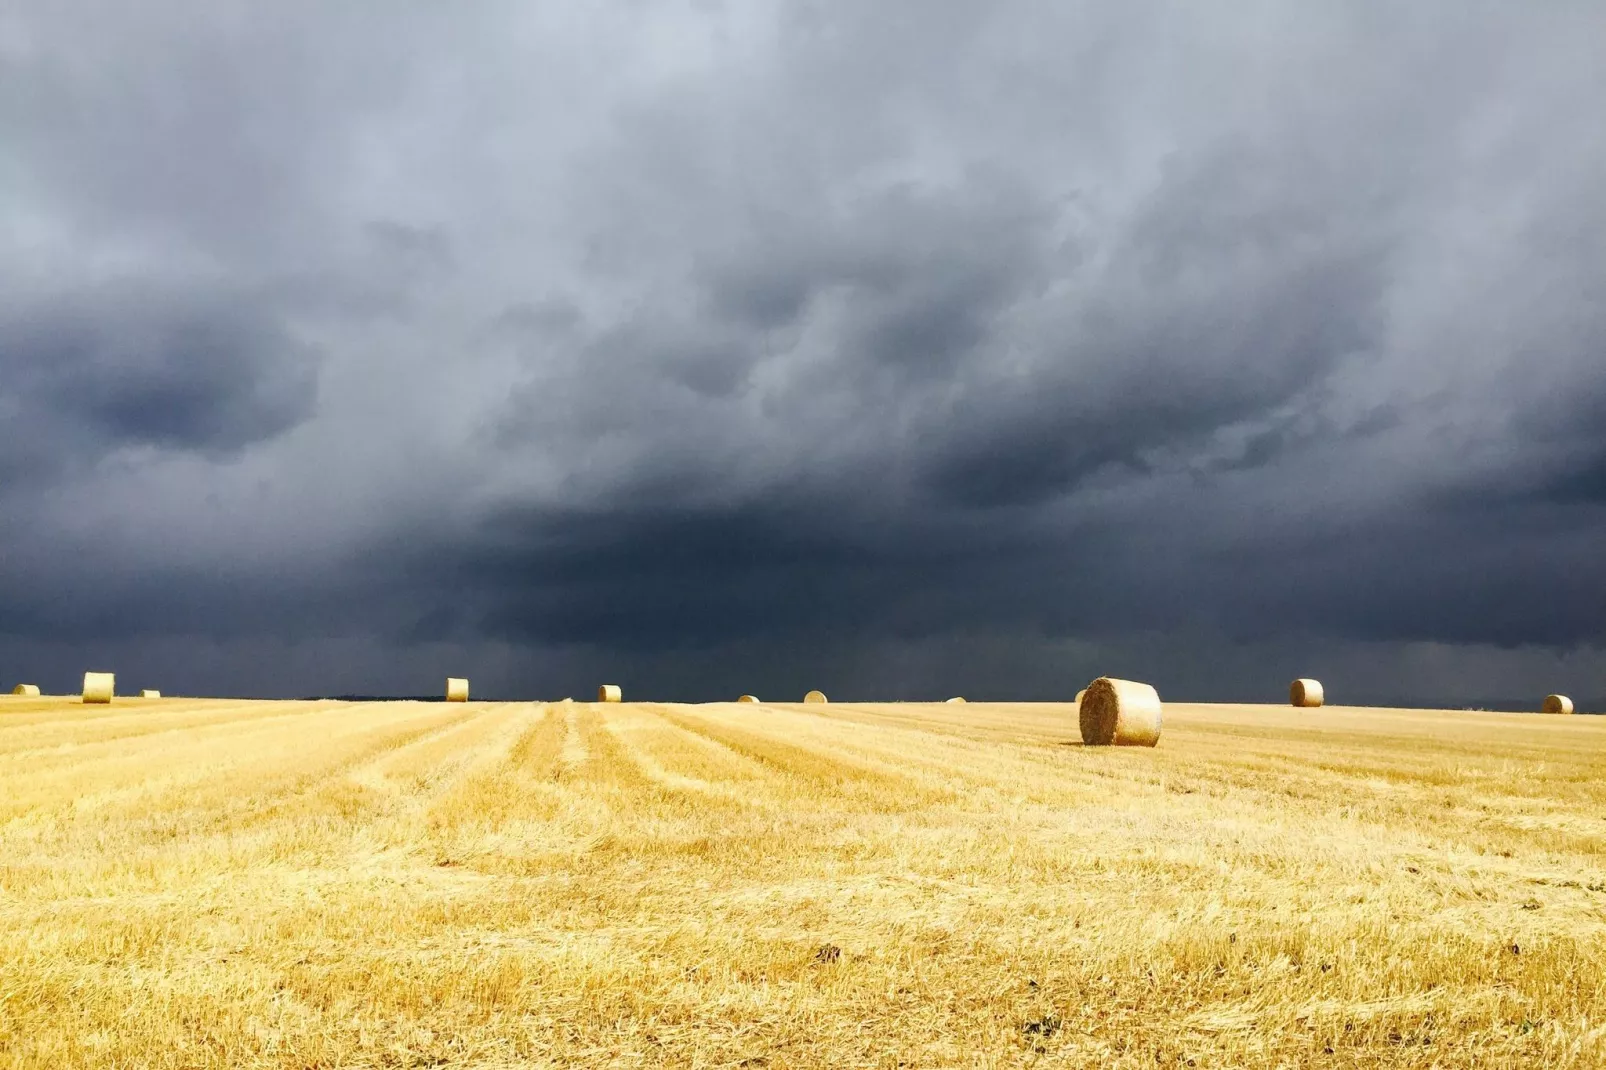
(91, 372)
(951, 335)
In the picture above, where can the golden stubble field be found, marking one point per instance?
(325, 884)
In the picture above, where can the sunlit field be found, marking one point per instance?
(323, 884)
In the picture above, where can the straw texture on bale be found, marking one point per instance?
(748, 698)
(1558, 704)
(26, 689)
(98, 686)
(609, 693)
(456, 689)
(956, 698)
(1121, 713)
(1306, 692)
(150, 693)
(815, 696)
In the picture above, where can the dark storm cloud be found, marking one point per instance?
(894, 342)
(90, 372)
(1583, 482)
(772, 570)
(920, 269)
(1217, 304)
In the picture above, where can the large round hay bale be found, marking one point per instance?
(456, 689)
(150, 693)
(1305, 692)
(98, 686)
(815, 696)
(1558, 704)
(609, 693)
(956, 699)
(31, 690)
(1122, 713)
(748, 698)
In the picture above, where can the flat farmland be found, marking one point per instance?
(209, 883)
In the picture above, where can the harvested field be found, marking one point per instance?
(219, 883)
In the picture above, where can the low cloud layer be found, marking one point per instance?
(908, 349)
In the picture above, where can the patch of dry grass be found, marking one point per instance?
(221, 883)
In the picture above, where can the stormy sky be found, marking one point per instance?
(900, 349)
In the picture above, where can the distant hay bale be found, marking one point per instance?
(1079, 695)
(98, 686)
(1558, 704)
(1121, 713)
(956, 699)
(31, 690)
(748, 698)
(609, 693)
(815, 696)
(150, 693)
(456, 689)
(1305, 692)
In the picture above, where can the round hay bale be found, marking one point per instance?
(150, 693)
(1121, 713)
(748, 698)
(31, 690)
(98, 686)
(1558, 704)
(815, 696)
(609, 693)
(456, 689)
(1079, 695)
(1306, 693)
(956, 699)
